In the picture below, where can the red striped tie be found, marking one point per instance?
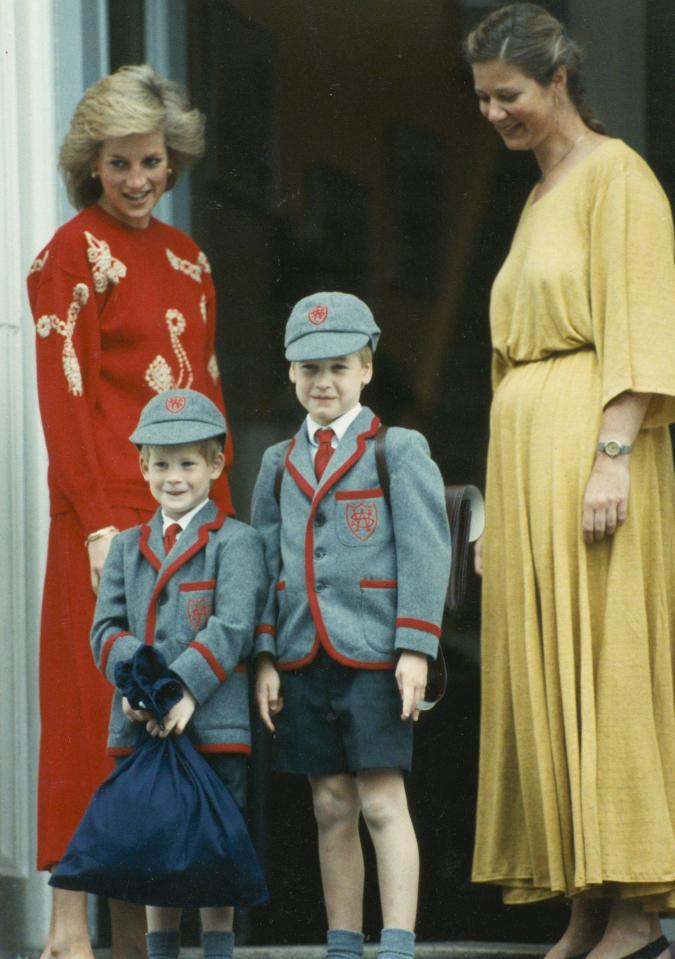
(171, 535)
(325, 440)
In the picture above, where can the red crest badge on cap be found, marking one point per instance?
(361, 519)
(175, 404)
(317, 315)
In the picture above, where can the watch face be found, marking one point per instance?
(612, 448)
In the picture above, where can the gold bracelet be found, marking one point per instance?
(99, 533)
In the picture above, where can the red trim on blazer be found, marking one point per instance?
(281, 584)
(201, 748)
(420, 624)
(359, 493)
(181, 560)
(378, 583)
(321, 632)
(210, 659)
(144, 547)
(206, 584)
(298, 477)
(305, 661)
(107, 647)
(265, 628)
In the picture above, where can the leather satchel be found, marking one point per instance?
(466, 517)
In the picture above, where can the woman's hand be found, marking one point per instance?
(98, 550)
(606, 498)
(478, 556)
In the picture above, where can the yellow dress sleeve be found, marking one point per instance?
(632, 291)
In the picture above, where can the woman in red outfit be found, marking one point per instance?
(124, 308)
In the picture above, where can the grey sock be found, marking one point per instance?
(396, 944)
(163, 945)
(344, 944)
(218, 945)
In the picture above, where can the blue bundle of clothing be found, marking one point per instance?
(162, 830)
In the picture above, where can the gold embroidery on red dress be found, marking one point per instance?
(202, 307)
(212, 367)
(66, 328)
(193, 270)
(104, 267)
(38, 263)
(159, 375)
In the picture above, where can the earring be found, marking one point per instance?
(94, 175)
(169, 170)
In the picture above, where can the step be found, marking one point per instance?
(424, 950)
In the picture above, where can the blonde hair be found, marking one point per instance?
(365, 354)
(134, 99)
(209, 448)
(529, 38)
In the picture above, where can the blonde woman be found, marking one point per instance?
(124, 308)
(577, 763)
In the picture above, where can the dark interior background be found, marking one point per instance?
(346, 151)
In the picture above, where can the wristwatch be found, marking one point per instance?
(612, 448)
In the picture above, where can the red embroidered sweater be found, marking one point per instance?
(121, 314)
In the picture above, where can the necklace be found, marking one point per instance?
(564, 156)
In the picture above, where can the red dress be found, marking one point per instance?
(121, 314)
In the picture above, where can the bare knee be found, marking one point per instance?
(383, 800)
(335, 801)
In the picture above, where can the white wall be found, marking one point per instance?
(46, 62)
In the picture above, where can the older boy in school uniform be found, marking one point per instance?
(192, 582)
(353, 613)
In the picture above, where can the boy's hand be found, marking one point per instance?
(135, 715)
(267, 687)
(176, 719)
(411, 676)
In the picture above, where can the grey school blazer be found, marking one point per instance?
(199, 606)
(347, 572)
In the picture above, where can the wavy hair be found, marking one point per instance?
(532, 40)
(134, 99)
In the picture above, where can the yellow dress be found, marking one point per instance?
(577, 759)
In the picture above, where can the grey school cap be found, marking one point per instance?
(329, 324)
(178, 416)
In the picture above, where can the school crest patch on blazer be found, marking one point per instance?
(199, 608)
(362, 519)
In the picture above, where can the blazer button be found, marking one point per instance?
(163, 599)
(318, 587)
(160, 636)
(319, 553)
(319, 519)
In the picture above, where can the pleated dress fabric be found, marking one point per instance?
(577, 759)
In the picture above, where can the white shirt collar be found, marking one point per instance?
(184, 519)
(339, 425)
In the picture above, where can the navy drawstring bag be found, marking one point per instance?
(162, 830)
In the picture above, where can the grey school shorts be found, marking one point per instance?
(230, 768)
(340, 719)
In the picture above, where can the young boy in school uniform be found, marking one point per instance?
(192, 582)
(353, 614)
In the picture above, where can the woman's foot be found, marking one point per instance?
(587, 923)
(629, 929)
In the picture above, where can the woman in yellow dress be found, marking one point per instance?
(577, 764)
